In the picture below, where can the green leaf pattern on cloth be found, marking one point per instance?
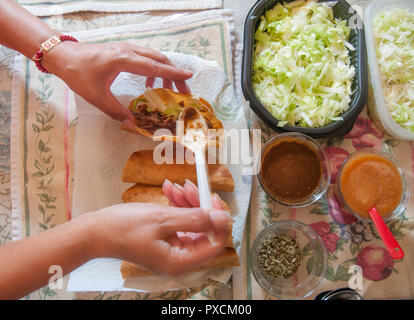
(42, 129)
(197, 46)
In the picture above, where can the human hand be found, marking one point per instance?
(146, 234)
(90, 69)
(187, 195)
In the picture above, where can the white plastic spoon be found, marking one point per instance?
(192, 133)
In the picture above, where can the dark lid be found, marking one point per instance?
(339, 294)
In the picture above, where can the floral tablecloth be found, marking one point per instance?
(346, 239)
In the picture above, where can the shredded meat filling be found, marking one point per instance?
(154, 120)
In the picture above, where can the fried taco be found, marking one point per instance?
(141, 168)
(160, 109)
(227, 258)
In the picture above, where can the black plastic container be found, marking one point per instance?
(339, 294)
(342, 10)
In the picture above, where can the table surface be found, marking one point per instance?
(240, 7)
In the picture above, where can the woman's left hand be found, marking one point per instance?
(90, 69)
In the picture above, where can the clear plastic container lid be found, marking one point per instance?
(376, 102)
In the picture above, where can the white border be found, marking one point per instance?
(126, 6)
(16, 170)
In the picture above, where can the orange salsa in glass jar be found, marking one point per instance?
(369, 179)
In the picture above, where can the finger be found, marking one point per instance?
(176, 240)
(162, 58)
(149, 83)
(159, 57)
(182, 87)
(192, 220)
(167, 84)
(216, 202)
(185, 220)
(168, 190)
(191, 255)
(152, 68)
(191, 193)
(150, 53)
(127, 123)
(194, 253)
(179, 196)
(181, 234)
(167, 187)
(172, 203)
(188, 237)
(113, 108)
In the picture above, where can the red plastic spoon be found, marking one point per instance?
(387, 237)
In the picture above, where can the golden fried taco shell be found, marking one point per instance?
(227, 258)
(147, 122)
(141, 168)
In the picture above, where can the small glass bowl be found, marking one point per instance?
(311, 270)
(326, 168)
(405, 196)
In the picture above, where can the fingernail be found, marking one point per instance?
(219, 220)
(216, 215)
(127, 123)
(219, 215)
(178, 186)
(149, 83)
(188, 88)
(211, 238)
(216, 196)
(190, 183)
(167, 183)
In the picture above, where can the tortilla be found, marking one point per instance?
(160, 108)
(145, 193)
(227, 258)
(141, 168)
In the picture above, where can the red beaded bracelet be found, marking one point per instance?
(46, 46)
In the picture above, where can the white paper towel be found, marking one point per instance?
(102, 149)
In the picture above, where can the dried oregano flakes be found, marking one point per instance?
(279, 256)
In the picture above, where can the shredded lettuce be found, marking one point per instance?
(154, 101)
(394, 41)
(173, 111)
(137, 102)
(301, 67)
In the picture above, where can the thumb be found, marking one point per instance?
(116, 110)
